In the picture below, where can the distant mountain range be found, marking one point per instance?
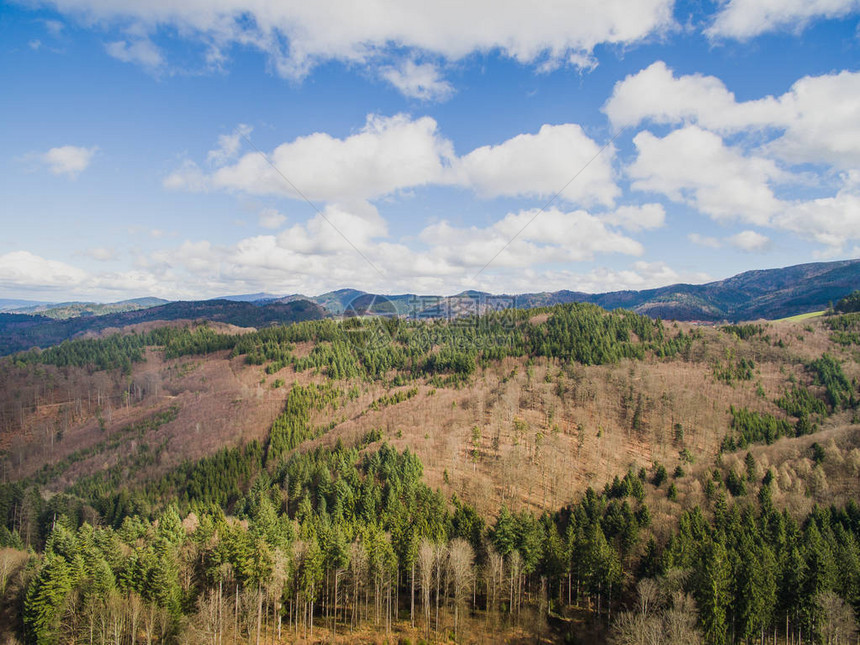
(21, 331)
(769, 294)
(63, 310)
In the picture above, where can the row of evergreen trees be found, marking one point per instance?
(342, 538)
(373, 347)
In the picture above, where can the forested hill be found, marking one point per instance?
(768, 294)
(564, 474)
(20, 332)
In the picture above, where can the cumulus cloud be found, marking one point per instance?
(391, 154)
(101, 253)
(189, 176)
(656, 94)
(348, 244)
(22, 269)
(528, 237)
(140, 51)
(386, 155)
(695, 167)
(539, 165)
(228, 145)
(298, 35)
(704, 240)
(67, 160)
(637, 218)
(744, 19)
(831, 221)
(639, 275)
(271, 218)
(418, 81)
(349, 237)
(749, 241)
(816, 120)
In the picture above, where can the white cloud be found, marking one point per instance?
(140, 51)
(67, 160)
(228, 145)
(539, 165)
(817, 120)
(694, 166)
(22, 269)
(416, 81)
(387, 155)
(271, 218)
(822, 121)
(655, 94)
(189, 176)
(54, 27)
(313, 256)
(744, 19)
(338, 228)
(101, 253)
(639, 275)
(637, 218)
(298, 35)
(35, 44)
(391, 154)
(831, 221)
(528, 238)
(703, 240)
(749, 241)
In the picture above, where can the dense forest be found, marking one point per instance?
(270, 541)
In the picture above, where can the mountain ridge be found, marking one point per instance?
(760, 293)
(756, 294)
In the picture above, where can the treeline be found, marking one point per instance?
(373, 347)
(850, 303)
(334, 537)
(343, 539)
(756, 573)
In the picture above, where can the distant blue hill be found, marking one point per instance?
(249, 297)
(769, 294)
(9, 304)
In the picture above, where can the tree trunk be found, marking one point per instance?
(334, 624)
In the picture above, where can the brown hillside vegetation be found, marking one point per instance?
(576, 466)
(522, 432)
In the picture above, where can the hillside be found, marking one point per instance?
(461, 425)
(768, 294)
(21, 332)
(64, 310)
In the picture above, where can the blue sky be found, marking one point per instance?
(595, 145)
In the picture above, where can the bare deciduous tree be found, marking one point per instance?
(494, 575)
(426, 565)
(461, 559)
(837, 624)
